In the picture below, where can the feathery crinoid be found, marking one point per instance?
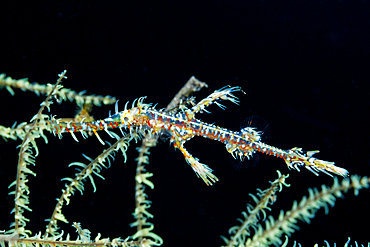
(144, 122)
(287, 222)
(19, 234)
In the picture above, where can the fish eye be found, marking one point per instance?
(125, 118)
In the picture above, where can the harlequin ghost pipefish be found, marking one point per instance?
(144, 119)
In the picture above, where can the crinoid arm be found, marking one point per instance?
(296, 158)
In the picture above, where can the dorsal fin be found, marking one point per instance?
(259, 124)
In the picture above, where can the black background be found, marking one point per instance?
(304, 67)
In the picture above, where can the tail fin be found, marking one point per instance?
(297, 158)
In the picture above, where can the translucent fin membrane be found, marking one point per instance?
(260, 124)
